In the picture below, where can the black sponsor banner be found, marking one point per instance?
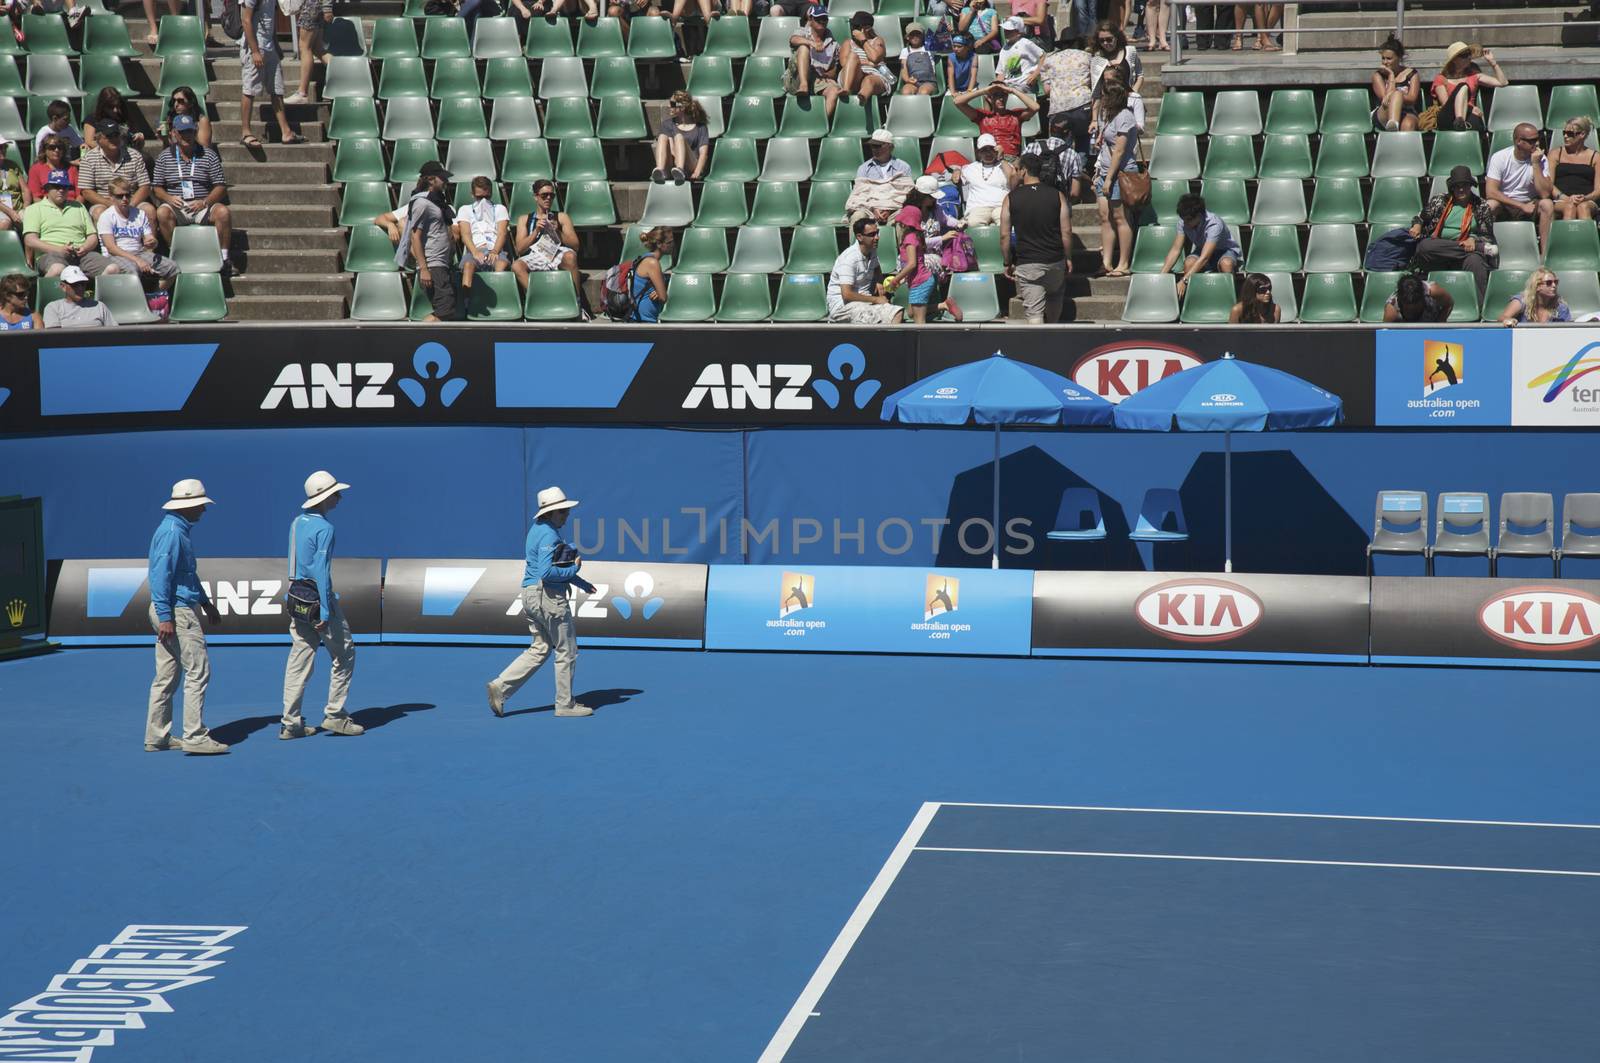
(1200, 614)
(107, 600)
(1511, 622)
(479, 600)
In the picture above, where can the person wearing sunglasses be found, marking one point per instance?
(1539, 302)
(1574, 171)
(129, 237)
(547, 240)
(1518, 185)
(814, 65)
(1255, 305)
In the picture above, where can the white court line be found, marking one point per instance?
(1280, 815)
(1259, 860)
(806, 1006)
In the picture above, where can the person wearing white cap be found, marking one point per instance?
(75, 308)
(986, 182)
(175, 594)
(552, 566)
(314, 614)
(1018, 62)
(881, 164)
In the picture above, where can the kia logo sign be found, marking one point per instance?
(1117, 370)
(945, 391)
(1224, 396)
(1546, 619)
(1199, 610)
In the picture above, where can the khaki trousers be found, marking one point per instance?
(550, 622)
(186, 654)
(303, 638)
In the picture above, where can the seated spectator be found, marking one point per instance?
(1415, 300)
(1018, 64)
(109, 159)
(1539, 302)
(547, 240)
(309, 21)
(1003, 123)
(1456, 231)
(184, 101)
(428, 240)
(109, 106)
(1518, 182)
(1062, 167)
(985, 183)
(1212, 246)
(1255, 305)
(855, 287)
(14, 194)
(15, 313)
(881, 164)
(1118, 139)
(708, 11)
(58, 123)
(190, 186)
(917, 64)
(483, 227)
(865, 69)
(1065, 75)
(980, 22)
(60, 234)
(648, 281)
(1455, 87)
(917, 268)
(961, 65)
(129, 235)
(814, 65)
(75, 308)
(1574, 172)
(1397, 88)
(682, 140)
(52, 161)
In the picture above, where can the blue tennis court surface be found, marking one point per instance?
(661, 881)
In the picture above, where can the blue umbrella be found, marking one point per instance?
(996, 391)
(1230, 396)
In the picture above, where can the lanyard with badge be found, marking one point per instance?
(185, 184)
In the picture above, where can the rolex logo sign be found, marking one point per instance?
(16, 611)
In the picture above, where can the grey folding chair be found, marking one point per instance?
(1462, 528)
(1400, 526)
(1527, 528)
(1580, 527)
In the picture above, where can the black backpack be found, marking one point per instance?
(1051, 170)
(617, 290)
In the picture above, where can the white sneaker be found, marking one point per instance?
(576, 710)
(297, 97)
(205, 745)
(497, 700)
(342, 725)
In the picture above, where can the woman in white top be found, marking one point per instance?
(985, 183)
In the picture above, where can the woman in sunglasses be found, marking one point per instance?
(1574, 172)
(1255, 305)
(682, 141)
(547, 240)
(1539, 302)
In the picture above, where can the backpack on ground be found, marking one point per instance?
(617, 291)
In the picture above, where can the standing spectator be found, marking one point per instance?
(1113, 50)
(1155, 24)
(939, 229)
(916, 268)
(58, 123)
(1118, 139)
(177, 599)
(855, 287)
(1456, 231)
(1115, 75)
(547, 240)
(985, 183)
(75, 308)
(1540, 302)
(1212, 246)
(1267, 17)
(1415, 300)
(309, 20)
(917, 65)
(109, 106)
(1574, 171)
(483, 229)
(15, 313)
(51, 162)
(682, 140)
(108, 160)
(393, 222)
(1002, 123)
(1455, 87)
(1061, 166)
(647, 283)
(1036, 243)
(427, 240)
(1397, 87)
(1518, 182)
(190, 186)
(1255, 305)
(14, 194)
(866, 72)
(1037, 24)
(1066, 75)
(261, 70)
(127, 233)
(311, 541)
(1018, 65)
(815, 59)
(881, 164)
(184, 101)
(60, 234)
(980, 22)
(961, 65)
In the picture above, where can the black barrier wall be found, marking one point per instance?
(1527, 623)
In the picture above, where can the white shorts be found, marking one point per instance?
(868, 314)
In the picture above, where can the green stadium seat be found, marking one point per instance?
(632, 248)
(986, 242)
(497, 296)
(615, 77)
(1234, 112)
(399, 78)
(567, 118)
(855, 119)
(1150, 246)
(813, 249)
(47, 35)
(407, 156)
(408, 118)
(123, 294)
(1329, 298)
(496, 38)
(1342, 155)
(1225, 197)
(1395, 202)
(722, 205)
(548, 39)
(712, 75)
(97, 71)
(977, 296)
(953, 123)
(703, 249)
(776, 204)
(668, 204)
(1284, 155)
(726, 38)
(773, 39)
(198, 297)
(1337, 199)
(179, 35)
(1573, 245)
(1375, 291)
(1152, 298)
(551, 297)
(590, 204)
(1182, 114)
(716, 126)
(1333, 249)
(1208, 299)
(909, 151)
(11, 80)
(378, 297)
(107, 34)
(369, 250)
(359, 159)
(757, 249)
(394, 38)
(1462, 288)
(507, 79)
(689, 298)
(1566, 101)
(651, 38)
(1346, 111)
(1499, 139)
(12, 126)
(1398, 155)
(1452, 149)
(1282, 201)
(734, 159)
(838, 159)
(763, 76)
(522, 201)
(1580, 290)
(752, 118)
(825, 202)
(1273, 249)
(581, 159)
(526, 160)
(515, 119)
(601, 39)
(347, 75)
(1164, 196)
(1513, 105)
(353, 116)
(745, 297)
(1503, 284)
(13, 260)
(1175, 158)
(562, 76)
(445, 38)
(1283, 295)
(361, 201)
(470, 157)
(911, 116)
(51, 76)
(620, 118)
(802, 297)
(788, 159)
(1290, 111)
(38, 115)
(1519, 244)
(455, 78)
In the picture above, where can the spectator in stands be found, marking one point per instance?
(393, 222)
(815, 60)
(109, 106)
(309, 20)
(1066, 75)
(648, 284)
(1255, 305)
(108, 160)
(1110, 45)
(865, 69)
(15, 313)
(980, 22)
(1062, 166)
(128, 235)
(184, 101)
(1036, 242)
(1518, 184)
(1114, 75)
(1018, 64)
(682, 140)
(985, 183)
(1155, 25)
(49, 162)
(190, 186)
(961, 65)
(428, 240)
(1415, 300)
(1574, 172)
(1212, 246)
(14, 194)
(483, 227)
(547, 240)
(939, 228)
(881, 164)
(1540, 302)
(75, 308)
(1003, 123)
(916, 268)
(1118, 138)
(1455, 88)
(59, 233)
(627, 10)
(918, 66)
(1456, 231)
(708, 11)
(261, 70)
(1267, 17)
(1397, 88)
(58, 123)
(855, 287)
(1038, 25)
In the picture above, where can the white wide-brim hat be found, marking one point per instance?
(1455, 49)
(552, 500)
(320, 485)
(187, 494)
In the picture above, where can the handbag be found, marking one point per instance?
(1428, 120)
(305, 601)
(1134, 185)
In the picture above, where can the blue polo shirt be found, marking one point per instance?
(311, 538)
(173, 579)
(542, 540)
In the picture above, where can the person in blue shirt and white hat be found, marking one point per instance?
(552, 569)
(314, 614)
(175, 595)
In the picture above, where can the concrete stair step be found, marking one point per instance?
(286, 195)
(256, 216)
(279, 307)
(263, 262)
(266, 127)
(295, 240)
(278, 174)
(232, 151)
(292, 284)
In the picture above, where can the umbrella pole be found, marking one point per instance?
(994, 557)
(1227, 501)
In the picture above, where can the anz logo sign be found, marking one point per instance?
(768, 386)
(364, 385)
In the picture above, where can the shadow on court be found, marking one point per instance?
(235, 731)
(595, 699)
(379, 715)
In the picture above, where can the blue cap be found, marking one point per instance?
(184, 123)
(58, 179)
(816, 11)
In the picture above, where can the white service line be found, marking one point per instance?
(806, 1006)
(1279, 815)
(1257, 860)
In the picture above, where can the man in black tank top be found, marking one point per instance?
(1041, 256)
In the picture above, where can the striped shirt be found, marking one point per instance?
(95, 171)
(205, 170)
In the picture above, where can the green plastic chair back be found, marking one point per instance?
(1234, 112)
(47, 35)
(812, 249)
(745, 297)
(632, 248)
(514, 118)
(964, 146)
(909, 151)
(98, 70)
(703, 250)
(455, 78)
(12, 259)
(838, 159)
(802, 297)
(1182, 114)
(590, 204)
(378, 297)
(1290, 111)
(401, 77)
(369, 251)
(1273, 249)
(406, 158)
(12, 127)
(722, 205)
(123, 295)
(1462, 288)
(975, 293)
(601, 39)
(1225, 197)
(1346, 111)
(179, 35)
(1150, 246)
(620, 118)
(198, 297)
(11, 83)
(359, 159)
(1376, 287)
(773, 38)
(548, 39)
(507, 79)
(497, 296)
(763, 76)
(825, 202)
(1333, 249)
(1286, 155)
(911, 116)
(668, 204)
(1283, 295)
(1581, 290)
(107, 35)
(471, 157)
(353, 116)
(716, 125)
(1177, 158)
(734, 159)
(711, 75)
(347, 75)
(445, 38)
(1566, 101)
(1328, 298)
(1208, 299)
(567, 118)
(986, 242)
(551, 297)
(1452, 148)
(526, 160)
(394, 38)
(1164, 196)
(1512, 105)
(1337, 199)
(496, 38)
(1503, 284)
(752, 118)
(1574, 245)
(788, 159)
(38, 108)
(801, 118)
(1398, 155)
(361, 201)
(726, 38)
(1342, 155)
(461, 119)
(408, 118)
(615, 77)
(1152, 298)
(776, 204)
(522, 202)
(1395, 201)
(562, 76)
(1519, 245)
(758, 249)
(689, 298)
(51, 76)
(1282, 201)
(953, 122)
(581, 159)
(651, 38)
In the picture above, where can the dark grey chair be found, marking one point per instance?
(1527, 528)
(1462, 528)
(1580, 527)
(1400, 526)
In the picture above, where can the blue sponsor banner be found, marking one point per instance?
(848, 609)
(1444, 378)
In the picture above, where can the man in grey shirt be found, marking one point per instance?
(427, 240)
(75, 309)
(261, 70)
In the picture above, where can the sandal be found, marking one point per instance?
(1269, 45)
(1238, 43)
(1120, 273)
(294, 138)
(250, 140)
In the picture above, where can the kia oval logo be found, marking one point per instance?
(945, 391)
(1224, 396)
(1117, 370)
(1545, 619)
(1198, 610)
